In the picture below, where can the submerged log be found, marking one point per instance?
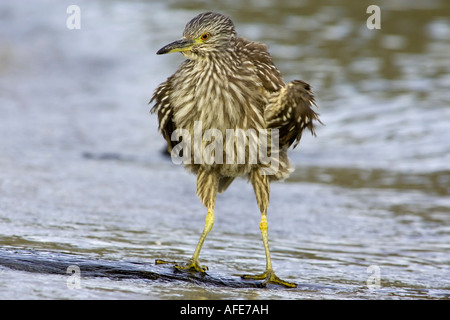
(45, 262)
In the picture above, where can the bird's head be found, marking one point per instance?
(206, 34)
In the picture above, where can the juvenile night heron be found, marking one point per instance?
(226, 83)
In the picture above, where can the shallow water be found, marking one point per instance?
(83, 176)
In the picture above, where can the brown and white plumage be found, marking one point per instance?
(229, 82)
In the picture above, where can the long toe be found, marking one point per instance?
(192, 266)
(270, 277)
(275, 280)
(189, 266)
(261, 276)
(159, 261)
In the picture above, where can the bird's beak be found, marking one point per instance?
(177, 46)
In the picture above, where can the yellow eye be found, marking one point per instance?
(204, 36)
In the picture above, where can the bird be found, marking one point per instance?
(229, 83)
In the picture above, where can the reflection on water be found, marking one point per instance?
(82, 172)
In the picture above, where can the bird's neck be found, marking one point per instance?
(221, 59)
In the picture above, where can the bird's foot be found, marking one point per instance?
(269, 277)
(191, 265)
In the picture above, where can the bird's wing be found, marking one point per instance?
(290, 111)
(258, 55)
(289, 107)
(164, 111)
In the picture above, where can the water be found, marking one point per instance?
(83, 179)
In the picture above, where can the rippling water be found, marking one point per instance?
(82, 172)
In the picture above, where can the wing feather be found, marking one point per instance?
(289, 107)
(259, 56)
(164, 110)
(290, 111)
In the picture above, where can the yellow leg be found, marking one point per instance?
(193, 263)
(207, 186)
(264, 227)
(269, 275)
